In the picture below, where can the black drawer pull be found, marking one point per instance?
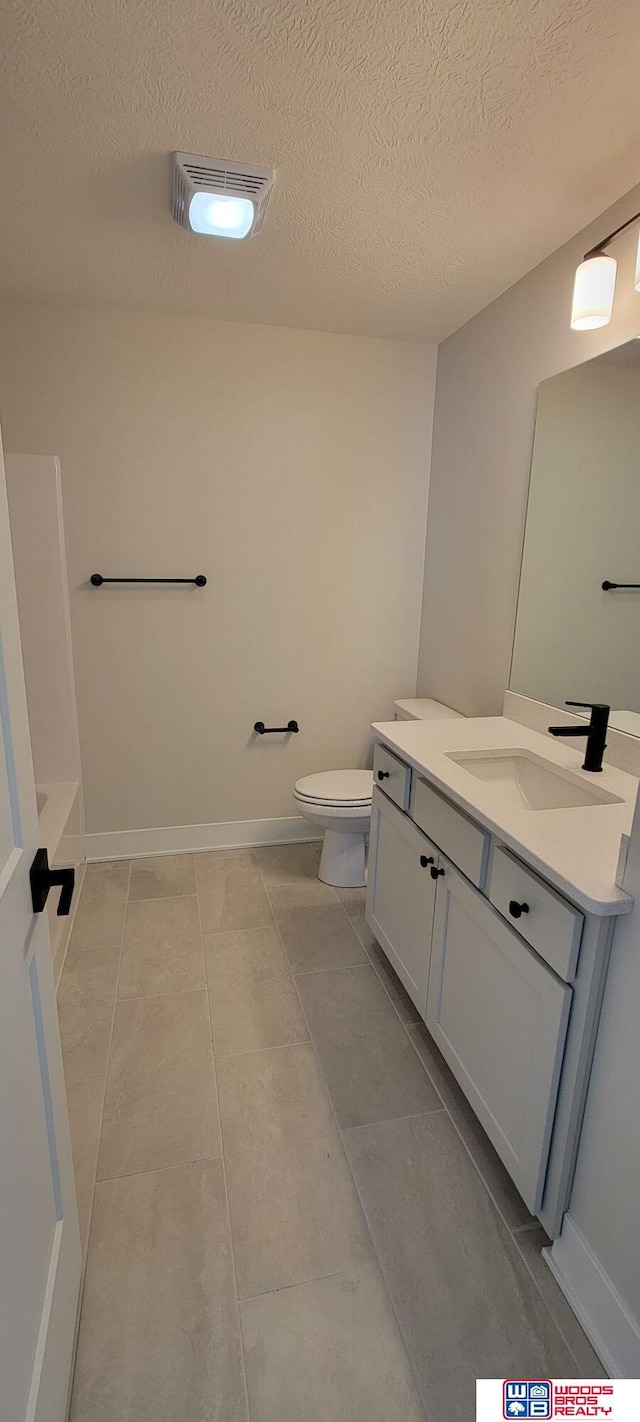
(426, 859)
(383, 775)
(516, 909)
(435, 873)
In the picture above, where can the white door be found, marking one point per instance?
(499, 1016)
(401, 895)
(40, 1257)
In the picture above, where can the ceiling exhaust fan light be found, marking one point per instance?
(593, 293)
(217, 198)
(216, 215)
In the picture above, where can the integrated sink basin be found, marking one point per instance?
(529, 781)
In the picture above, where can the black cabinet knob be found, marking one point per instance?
(426, 859)
(435, 873)
(516, 910)
(383, 775)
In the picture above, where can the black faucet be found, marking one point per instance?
(596, 732)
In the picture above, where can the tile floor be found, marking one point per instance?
(287, 1207)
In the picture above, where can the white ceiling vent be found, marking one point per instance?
(220, 199)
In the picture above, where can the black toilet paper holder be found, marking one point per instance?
(291, 728)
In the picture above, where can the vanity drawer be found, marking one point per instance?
(392, 776)
(551, 925)
(464, 843)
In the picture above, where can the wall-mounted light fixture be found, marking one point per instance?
(220, 199)
(595, 283)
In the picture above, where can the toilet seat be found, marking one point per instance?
(338, 788)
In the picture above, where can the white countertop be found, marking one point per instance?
(576, 850)
(424, 708)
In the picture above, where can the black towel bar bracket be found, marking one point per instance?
(607, 586)
(97, 580)
(291, 729)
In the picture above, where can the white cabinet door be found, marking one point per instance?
(40, 1258)
(401, 895)
(499, 1016)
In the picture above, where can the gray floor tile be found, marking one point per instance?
(531, 1242)
(162, 948)
(100, 915)
(159, 1337)
(254, 1003)
(318, 936)
(85, 1032)
(498, 1182)
(369, 1064)
(364, 932)
(353, 900)
(290, 873)
(214, 864)
(328, 1350)
(84, 1103)
(237, 899)
(466, 1304)
(162, 876)
(98, 925)
(288, 863)
(294, 1211)
(160, 1107)
(390, 980)
(106, 879)
(301, 893)
(89, 971)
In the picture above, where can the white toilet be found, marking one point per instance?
(339, 802)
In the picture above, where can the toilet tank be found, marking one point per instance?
(424, 709)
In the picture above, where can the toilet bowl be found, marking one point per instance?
(339, 802)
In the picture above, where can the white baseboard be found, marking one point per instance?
(182, 839)
(610, 1327)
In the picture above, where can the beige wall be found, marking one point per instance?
(292, 468)
(482, 439)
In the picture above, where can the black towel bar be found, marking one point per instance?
(97, 580)
(607, 586)
(291, 728)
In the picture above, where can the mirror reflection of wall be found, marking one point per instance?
(573, 640)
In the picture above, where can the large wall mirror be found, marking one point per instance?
(575, 639)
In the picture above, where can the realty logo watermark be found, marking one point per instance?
(533, 1399)
(524, 1398)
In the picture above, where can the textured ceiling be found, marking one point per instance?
(429, 152)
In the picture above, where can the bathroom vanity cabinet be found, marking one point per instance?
(506, 972)
(401, 895)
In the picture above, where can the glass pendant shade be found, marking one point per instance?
(593, 293)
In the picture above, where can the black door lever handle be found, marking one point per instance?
(43, 878)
